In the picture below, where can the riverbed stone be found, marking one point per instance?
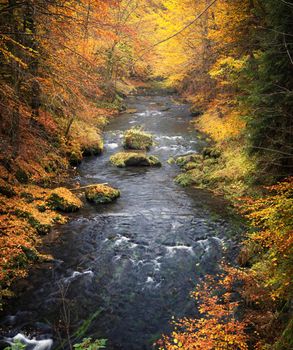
(124, 159)
(100, 194)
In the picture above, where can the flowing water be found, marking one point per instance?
(131, 265)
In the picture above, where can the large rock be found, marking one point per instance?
(124, 159)
(137, 139)
(101, 193)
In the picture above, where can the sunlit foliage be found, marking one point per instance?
(217, 326)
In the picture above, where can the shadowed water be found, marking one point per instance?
(137, 260)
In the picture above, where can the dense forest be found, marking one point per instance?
(66, 69)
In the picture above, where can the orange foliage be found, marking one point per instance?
(272, 239)
(25, 214)
(258, 289)
(217, 327)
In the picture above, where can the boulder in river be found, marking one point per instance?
(124, 159)
(64, 200)
(101, 193)
(135, 138)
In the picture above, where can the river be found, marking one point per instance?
(132, 264)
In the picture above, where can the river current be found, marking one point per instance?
(121, 271)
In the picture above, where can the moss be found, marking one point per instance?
(211, 152)
(154, 161)
(183, 160)
(286, 339)
(41, 208)
(124, 159)
(101, 122)
(6, 189)
(88, 137)
(27, 196)
(191, 165)
(53, 163)
(41, 228)
(223, 172)
(100, 193)
(137, 139)
(73, 152)
(93, 149)
(184, 179)
(23, 218)
(117, 104)
(74, 158)
(4, 173)
(171, 161)
(41, 224)
(22, 176)
(84, 140)
(64, 200)
(197, 170)
(195, 112)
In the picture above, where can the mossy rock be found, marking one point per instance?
(85, 139)
(171, 161)
(64, 200)
(6, 189)
(100, 194)
(183, 160)
(195, 111)
(209, 162)
(74, 157)
(137, 139)
(191, 177)
(191, 165)
(211, 152)
(124, 159)
(93, 149)
(154, 161)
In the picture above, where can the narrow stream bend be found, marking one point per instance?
(134, 262)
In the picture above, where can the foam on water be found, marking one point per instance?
(121, 240)
(165, 137)
(77, 274)
(112, 145)
(31, 344)
(171, 251)
(150, 280)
